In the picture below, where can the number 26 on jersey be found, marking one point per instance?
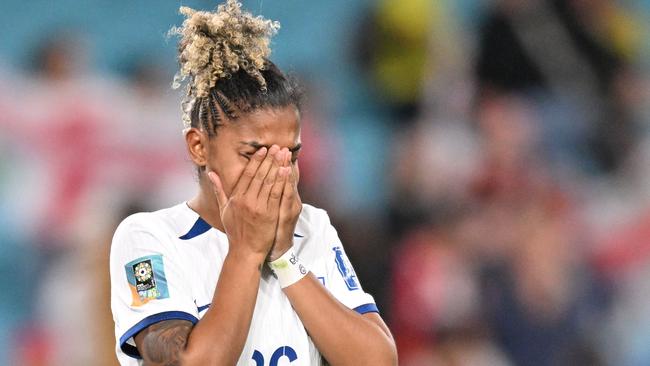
(285, 351)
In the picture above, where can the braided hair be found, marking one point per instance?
(225, 67)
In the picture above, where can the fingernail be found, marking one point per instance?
(279, 158)
(274, 149)
(261, 151)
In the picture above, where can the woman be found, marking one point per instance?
(243, 273)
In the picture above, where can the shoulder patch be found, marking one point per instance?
(346, 269)
(146, 277)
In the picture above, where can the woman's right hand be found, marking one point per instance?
(250, 214)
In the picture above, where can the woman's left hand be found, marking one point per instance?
(290, 208)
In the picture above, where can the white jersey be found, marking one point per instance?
(166, 264)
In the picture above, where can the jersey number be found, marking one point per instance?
(285, 351)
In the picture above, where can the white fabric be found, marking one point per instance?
(192, 268)
(288, 268)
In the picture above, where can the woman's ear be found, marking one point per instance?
(197, 145)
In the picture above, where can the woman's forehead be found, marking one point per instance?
(279, 126)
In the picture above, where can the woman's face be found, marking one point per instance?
(235, 142)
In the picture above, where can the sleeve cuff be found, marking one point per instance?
(130, 349)
(367, 308)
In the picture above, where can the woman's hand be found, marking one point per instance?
(290, 208)
(250, 215)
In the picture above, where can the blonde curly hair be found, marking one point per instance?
(213, 47)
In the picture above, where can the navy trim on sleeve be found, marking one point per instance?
(142, 324)
(199, 227)
(366, 308)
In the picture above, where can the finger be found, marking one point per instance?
(276, 191)
(271, 177)
(263, 170)
(293, 177)
(249, 172)
(286, 216)
(288, 194)
(286, 157)
(295, 196)
(218, 189)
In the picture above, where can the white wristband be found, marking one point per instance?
(288, 269)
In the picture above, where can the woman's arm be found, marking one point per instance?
(342, 335)
(250, 218)
(219, 337)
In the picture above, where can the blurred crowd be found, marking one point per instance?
(487, 166)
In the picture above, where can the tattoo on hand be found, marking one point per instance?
(164, 342)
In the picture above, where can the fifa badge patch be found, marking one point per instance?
(345, 268)
(146, 276)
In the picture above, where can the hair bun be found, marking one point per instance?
(215, 44)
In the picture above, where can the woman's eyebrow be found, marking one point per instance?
(256, 145)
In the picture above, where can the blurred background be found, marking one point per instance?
(486, 163)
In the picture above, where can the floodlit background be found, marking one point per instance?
(487, 165)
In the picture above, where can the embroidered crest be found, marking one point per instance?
(146, 276)
(346, 270)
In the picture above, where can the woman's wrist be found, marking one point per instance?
(246, 257)
(288, 268)
(278, 251)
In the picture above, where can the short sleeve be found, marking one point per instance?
(342, 280)
(147, 281)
